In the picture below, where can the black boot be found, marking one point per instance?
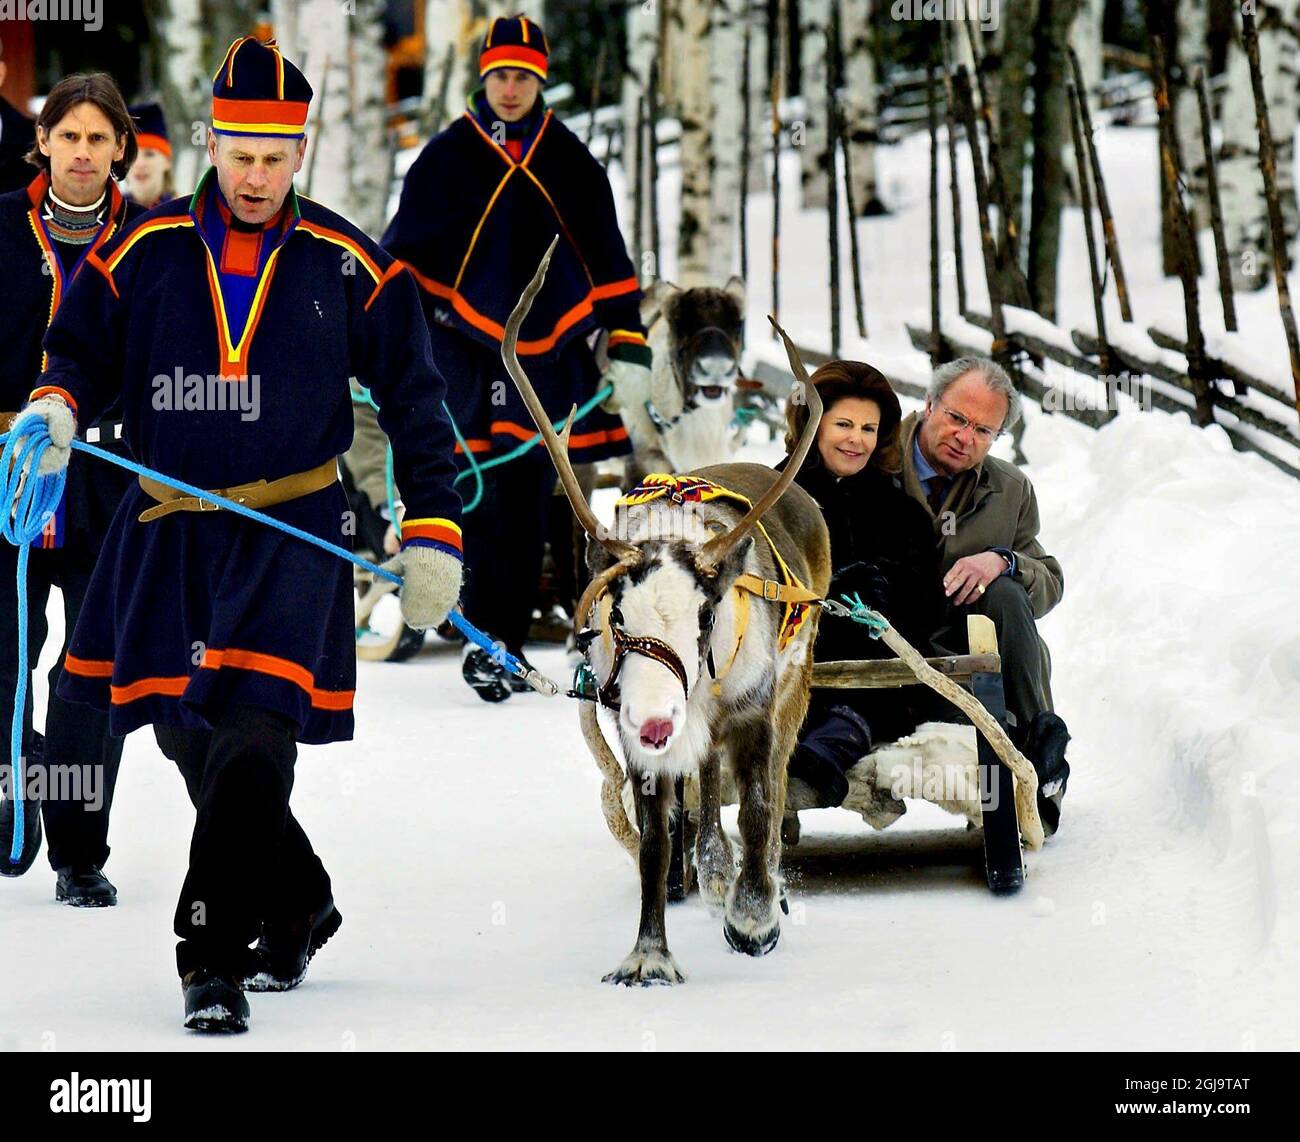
(214, 1002)
(84, 886)
(285, 950)
(486, 677)
(32, 832)
(1045, 747)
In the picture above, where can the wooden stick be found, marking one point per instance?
(936, 337)
(746, 127)
(1085, 203)
(954, 187)
(595, 93)
(1103, 197)
(638, 194)
(888, 673)
(1268, 169)
(611, 789)
(776, 197)
(1010, 223)
(842, 136)
(1000, 348)
(652, 143)
(832, 192)
(1031, 828)
(1216, 210)
(1197, 371)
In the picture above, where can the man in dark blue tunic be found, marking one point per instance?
(47, 231)
(478, 209)
(228, 324)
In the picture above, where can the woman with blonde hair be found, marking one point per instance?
(882, 548)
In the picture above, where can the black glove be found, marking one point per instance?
(869, 580)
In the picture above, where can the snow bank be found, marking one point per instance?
(1180, 633)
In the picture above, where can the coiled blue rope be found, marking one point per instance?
(36, 502)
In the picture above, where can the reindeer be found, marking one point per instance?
(696, 336)
(697, 676)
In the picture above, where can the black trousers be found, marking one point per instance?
(1026, 664)
(81, 759)
(250, 861)
(504, 539)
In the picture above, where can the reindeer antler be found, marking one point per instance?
(716, 550)
(557, 447)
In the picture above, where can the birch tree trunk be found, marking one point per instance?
(1241, 189)
(186, 88)
(1051, 135)
(695, 111)
(1086, 39)
(1012, 118)
(1193, 51)
(759, 118)
(811, 133)
(642, 46)
(726, 52)
(860, 110)
(339, 49)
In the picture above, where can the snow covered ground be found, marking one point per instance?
(483, 898)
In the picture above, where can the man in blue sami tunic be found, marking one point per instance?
(228, 325)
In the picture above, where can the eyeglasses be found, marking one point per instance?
(982, 432)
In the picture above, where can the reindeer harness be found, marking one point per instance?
(681, 490)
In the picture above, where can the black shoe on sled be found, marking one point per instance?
(488, 679)
(1045, 747)
(285, 950)
(214, 1002)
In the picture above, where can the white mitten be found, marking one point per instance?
(631, 384)
(62, 427)
(431, 584)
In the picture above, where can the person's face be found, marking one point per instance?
(4, 72)
(848, 434)
(255, 174)
(511, 92)
(959, 429)
(82, 148)
(147, 174)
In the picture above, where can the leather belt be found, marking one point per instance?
(258, 494)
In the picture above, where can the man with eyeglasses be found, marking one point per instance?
(986, 524)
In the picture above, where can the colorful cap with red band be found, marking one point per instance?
(256, 91)
(514, 41)
(150, 127)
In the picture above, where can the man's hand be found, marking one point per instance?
(968, 578)
(430, 587)
(62, 427)
(631, 383)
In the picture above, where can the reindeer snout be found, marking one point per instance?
(655, 732)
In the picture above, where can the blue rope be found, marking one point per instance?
(39, 498)
(37, 501)
(874, 621)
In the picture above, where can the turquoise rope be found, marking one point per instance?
(475, 468)
(36, 503)
(39, 498)
(874, 621)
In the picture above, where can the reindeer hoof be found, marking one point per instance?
(646, 969)
(757, 944)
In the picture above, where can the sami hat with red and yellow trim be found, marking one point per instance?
(150, 127)
(514, 41)
(256, 91)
